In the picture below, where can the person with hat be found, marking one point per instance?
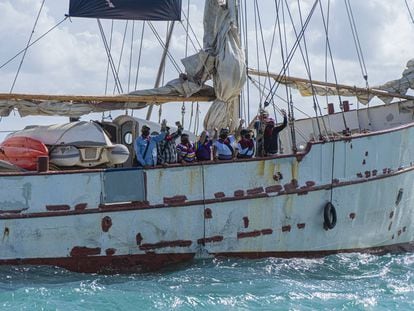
(245, 147)
(186, 150)
(167, 148)
(146, 145)
(223, 146)
(203, 147)
(271, 134)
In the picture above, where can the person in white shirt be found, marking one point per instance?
(223, 147)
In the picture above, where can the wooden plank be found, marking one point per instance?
(150, 99)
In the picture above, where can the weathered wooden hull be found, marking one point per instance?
(123, 220)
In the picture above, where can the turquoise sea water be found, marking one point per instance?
(340, 282)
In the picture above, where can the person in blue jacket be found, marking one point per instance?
(146, 145)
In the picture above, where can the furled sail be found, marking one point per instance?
(222, 43)
(402, 85)
(127, 9)
(222, 59)
(387, 92)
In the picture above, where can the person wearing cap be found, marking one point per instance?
(146, 145)
(223, 147)
(203, 147)
(186, 150)
(271, 134)
(245, 147)
(259, 124)
(167, 148)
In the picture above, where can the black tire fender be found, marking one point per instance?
(329, 216)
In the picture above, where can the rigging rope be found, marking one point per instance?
(171, 58)
(409, 11)
(333, 65)
(27, 46)
(357, 42)
(111, 61)
(306, 60)
(139, 55)
(246, 44)
(131, 54)
(276, 84)
(257, 55)
(34, 42)
(107, 67)
(122, 51)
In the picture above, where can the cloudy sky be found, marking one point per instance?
(72, 59)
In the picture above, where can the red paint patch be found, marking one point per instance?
(287, 228)
(208, 214)
(82, 251)
(252, 234)
(392, 214)
(274, 189)
(110, 251)
(310, 183)
(301, 226)
(213, 239)
(165, 244)
(255, 191)
(292, 186)
(239, 193)
(246, 222)
(81, 206)
(106, 223)
(139, 239)
(55, 208)
(178, 199)
(108, 264)
(267, 231)
(219, 195)
(352, 216)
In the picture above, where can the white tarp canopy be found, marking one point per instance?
(80, 134)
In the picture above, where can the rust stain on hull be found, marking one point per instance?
(83, 251)
(108, 264)
(55, 208)
(254, 234)
(213, 239)
(165, 244)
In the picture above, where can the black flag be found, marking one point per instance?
(156, 10)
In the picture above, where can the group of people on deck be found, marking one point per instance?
(259, 139)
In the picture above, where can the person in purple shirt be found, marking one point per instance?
(203, 147)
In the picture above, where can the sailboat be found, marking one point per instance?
(333, 189)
